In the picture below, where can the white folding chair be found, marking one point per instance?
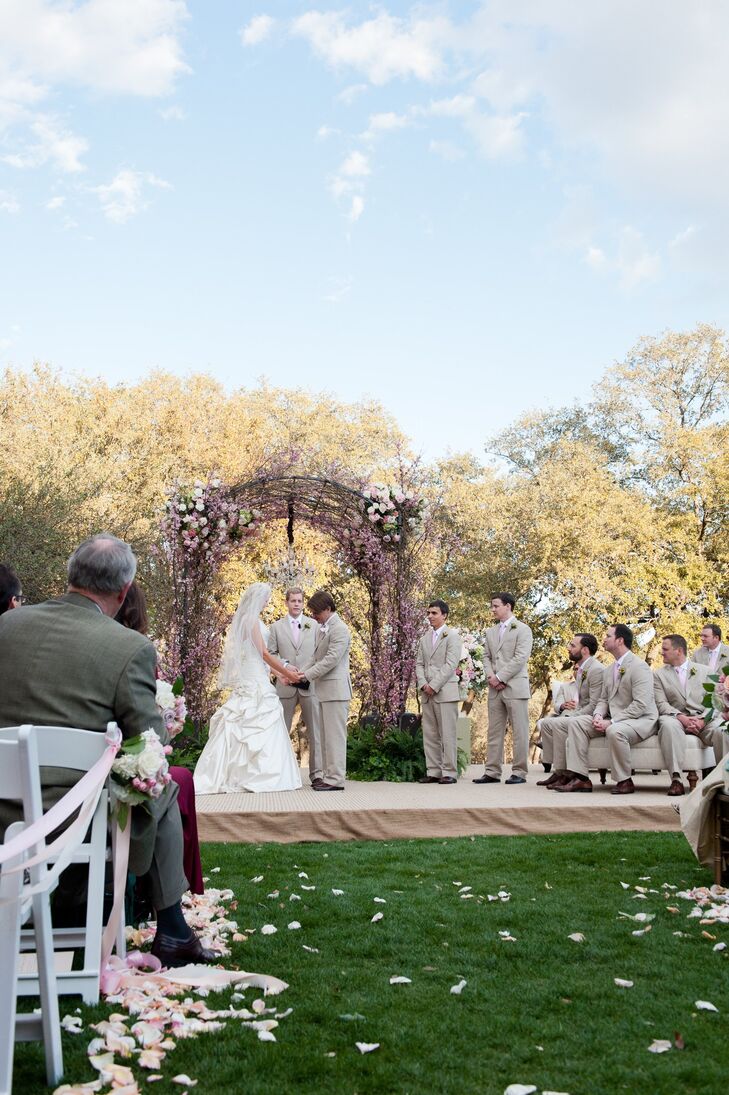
(64, 747)
(19, 775)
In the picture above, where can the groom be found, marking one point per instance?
(333, 688)
(292, 638)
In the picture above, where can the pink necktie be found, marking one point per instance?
(295, 632)
(435, 639)
(616, 671)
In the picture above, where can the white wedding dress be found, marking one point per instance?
(248, 747)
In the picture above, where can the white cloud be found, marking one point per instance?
(382, 48)
(172, 114)
(325, 131)
(49, 142)
(349, 94)
(8, 202)
(385, 122)
(356, 165)
(494, 135)
(447, 150)
(129, 46)
(632, 263)
(125, 195)
(55, 203)
(357, 208)
(257, 30)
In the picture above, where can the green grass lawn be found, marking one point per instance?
(543, 1010)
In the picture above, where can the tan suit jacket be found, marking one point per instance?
(281, 643)
(437, 665)
(330, 669)
(631, 698)
(700, 656)
(589, 692)
(671, 700)
(509, 658)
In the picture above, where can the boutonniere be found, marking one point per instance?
(622, 672)
(513, 627)
(307, 627)
(444, 633)
(692, 671)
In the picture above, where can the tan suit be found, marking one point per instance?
(673, 700)
(507, 655)
(333, 691)
(628, 701)
(296, 645)
(701, 657)
(553, 729)
(64, 663)
(436, 666)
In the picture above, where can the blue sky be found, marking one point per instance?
(465, 210)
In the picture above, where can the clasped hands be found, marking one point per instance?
(601, 724)
(292, 674)
(692, 724)
(496, 684)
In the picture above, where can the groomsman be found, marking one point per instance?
(439, 652)
(588, 681)
(292, 639)
(330, 670)
(508, 646)
(625, 713)
(679, 690)
(712, 653)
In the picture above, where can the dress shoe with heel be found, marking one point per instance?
(623, 787)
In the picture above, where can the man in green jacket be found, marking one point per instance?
(66, 662)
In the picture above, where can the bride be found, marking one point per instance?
(248, 747)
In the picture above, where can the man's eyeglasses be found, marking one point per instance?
(21, 599)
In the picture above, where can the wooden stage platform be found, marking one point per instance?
(392, 811)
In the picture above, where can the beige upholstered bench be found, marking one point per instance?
(647, 755)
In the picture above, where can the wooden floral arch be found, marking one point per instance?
(377, 533)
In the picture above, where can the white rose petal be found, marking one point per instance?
(367, 1047)
(376, 917)
(379, 900)
(719, 947)
(577, 937)
(266, 1036)
(704, 1005)
(337, 893)
(520, 1089)
(456, 990)
(258, 878)
(311, 950)
(400, 981)
(268, 929)
(622, 984)
(183, 1079)
(294, 926)
(660, 1045)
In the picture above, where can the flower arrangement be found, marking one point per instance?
(205, 520)
(394, 512)
(140, 772)
(172, 705)
(716, 696)
(470, 671)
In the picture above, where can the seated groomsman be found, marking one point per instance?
(712, 653)
(679, 690)
(439, 652)
(625, 713)
(292, 639)
(508, 646)
(588, 681)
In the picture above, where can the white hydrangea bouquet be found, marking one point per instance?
(172, 706)
(139, 773)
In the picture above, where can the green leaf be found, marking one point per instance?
(122, 813)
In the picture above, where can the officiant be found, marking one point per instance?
(292, 639)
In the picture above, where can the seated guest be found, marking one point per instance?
(679, 691)
(588, 680)
(67, 663)
(625, 713)
(712, 653)
(11, 591)
(133, 614)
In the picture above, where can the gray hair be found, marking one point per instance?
(102, 564)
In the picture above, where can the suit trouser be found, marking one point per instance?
(440, 736)
(516, 711)
(310, 714)
(619, 735)
(674, 739)
(334, 740)
(554, 740)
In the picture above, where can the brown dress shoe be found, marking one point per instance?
(326, 787)
(180, 952)
(317, 782)
(576, 784)
(447, 779)
(429, 779)
(677, 788)
(623, 787)
(555, 777)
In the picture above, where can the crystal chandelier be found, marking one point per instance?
(289, 570)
